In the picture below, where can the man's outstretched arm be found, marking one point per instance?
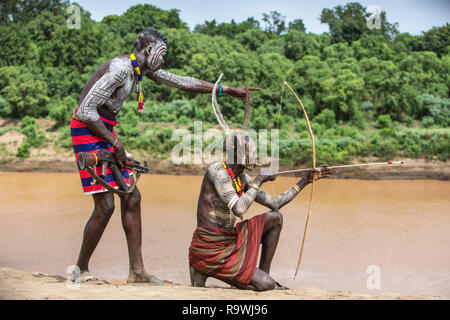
(192, 84)
(276, 203)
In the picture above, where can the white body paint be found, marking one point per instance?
(110, 91)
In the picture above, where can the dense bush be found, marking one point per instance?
(384, 121)
(359, 86)
(437, 108)
(33, 137)
(326, 117)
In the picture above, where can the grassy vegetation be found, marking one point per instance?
(368, 93)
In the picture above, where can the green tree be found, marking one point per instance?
(326, 117)
(16, 45)
(229, 30)
(74, 49)
(297, 25)
(12, 11)
(297, 44)
(274, 22)
(26, 94)
(438, 39)
(348, 23)
(142, 16)
(405, 42)
(253, 39)
(384, 121)
(436, 107)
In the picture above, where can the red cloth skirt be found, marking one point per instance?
(228, 254)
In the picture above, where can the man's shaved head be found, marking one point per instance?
(153, 45)
(147, 37)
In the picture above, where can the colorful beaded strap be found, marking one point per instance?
(139, 87)
(237, 183)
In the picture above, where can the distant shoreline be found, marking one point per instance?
(413, 169)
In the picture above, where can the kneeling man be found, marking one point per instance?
(226, 251)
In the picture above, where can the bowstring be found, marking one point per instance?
(273, 188)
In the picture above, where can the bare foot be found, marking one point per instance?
(281, 287)
(82, 277)
(198, 279)
(144, 277)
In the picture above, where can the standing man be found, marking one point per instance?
(92, 130)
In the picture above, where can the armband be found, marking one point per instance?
(254, 185)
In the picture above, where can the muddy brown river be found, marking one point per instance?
(397, 232)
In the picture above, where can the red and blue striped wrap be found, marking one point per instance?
(227, 254)
(84, 140)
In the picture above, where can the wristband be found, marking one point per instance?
(254, 185)
(96, 159)
(117, 139)
(297, 188)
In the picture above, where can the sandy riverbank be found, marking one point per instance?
(16, 284)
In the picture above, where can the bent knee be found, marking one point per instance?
(134, 201)
(267, 284)
(105, 209)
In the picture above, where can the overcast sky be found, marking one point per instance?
(413, 16)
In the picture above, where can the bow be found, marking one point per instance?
(216, 108)
(312, 183)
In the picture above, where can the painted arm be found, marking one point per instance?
(276, 203)
(223, 185)
(192, 84)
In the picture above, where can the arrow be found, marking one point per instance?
(349, 165)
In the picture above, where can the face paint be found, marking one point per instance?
(156, 56)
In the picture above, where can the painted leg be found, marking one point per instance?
(103, 209)
(269, 239)
(261, 281)
(132, 225)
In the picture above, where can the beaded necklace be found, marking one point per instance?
(139, 86)
(237, 182)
